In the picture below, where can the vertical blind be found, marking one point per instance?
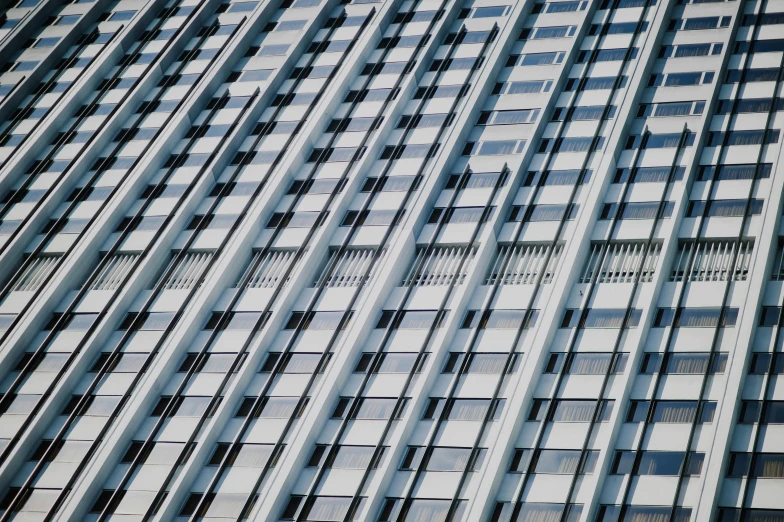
(621, 262)
(348, 268)
(267, 269)
(523, 264)
(439, 266)
(36, 273)
(712, 260)
(186, 271)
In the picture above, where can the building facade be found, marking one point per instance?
(391, 260)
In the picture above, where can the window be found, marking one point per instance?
(318, 320)
(421, 510)
(411, 319)
(724, 208)
(696, 317)
(508, 117)
(660, 141)
(347, 457)
(489, 12)
(595, 83)
(391, 362)
(117, 16)
(500, 319)
(761, 363)
(612, 55)
(378, 409)
(464, 409)
(372, 218)
(670, 411)
(582, 363)
(443, 459)
(301, 363)
(563, 462)
(648, 175)
(74, 322)
(686, 363)
(328, 509)
(272, 407)
(493, 148)
(559, 7)
(699, 23)
(642, 210)
(670, 109)
(482, 363)
(585, 113)
(608, 513)
(601, 318)
(743, 137)
(523, 87)
(567, 410)
(237, 321)
(535, 59)
(557, 177)
(766, 465)
(290, 25)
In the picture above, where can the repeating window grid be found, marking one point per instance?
(127, 336)
(444, 407)
(399, 402)
(258, 323)
(20, 12)
(440, 266)
(355, 404)
(673, 170)
(260, 154)
(93, 402)
(623, 262)
(281, 128)
(377, 186)
(760, 410)
(712, 260)
(37, 106)
(321, 157)
(30, 178)
(524, 264)
(109, 88)
(59, 227)
(556, 146)
(599, 408)
(747, 505)
(499, 258)
(592, 410)
(729, 273)
(17, 64)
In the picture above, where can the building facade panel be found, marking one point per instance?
(391, 260)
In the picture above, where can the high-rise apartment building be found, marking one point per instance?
(391, 260)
